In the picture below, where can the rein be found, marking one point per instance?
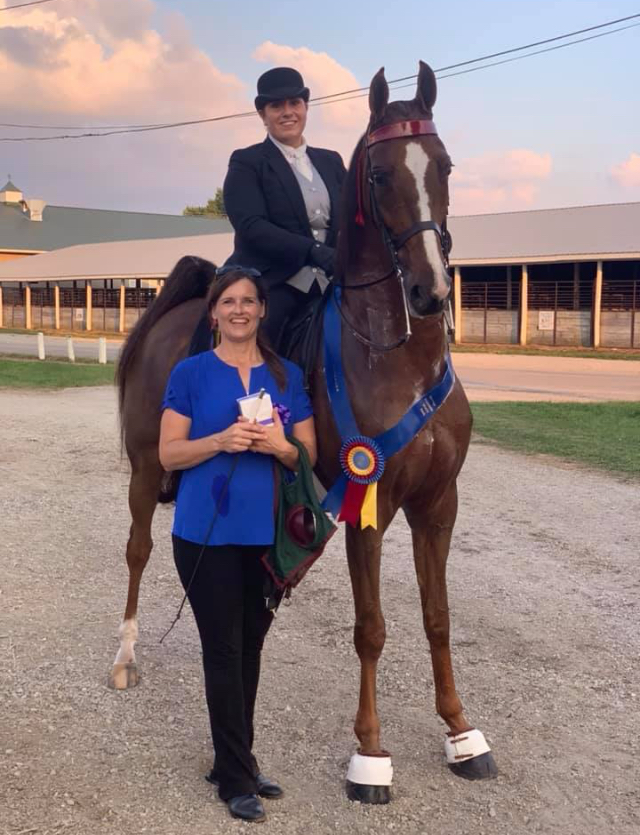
(397, 130)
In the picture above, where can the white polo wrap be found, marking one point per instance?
(370, 771)
(465, 746)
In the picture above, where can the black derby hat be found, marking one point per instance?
(279, 84)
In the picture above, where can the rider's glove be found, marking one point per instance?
(323, 256)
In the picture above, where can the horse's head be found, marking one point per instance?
(408, 171)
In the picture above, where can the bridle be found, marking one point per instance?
(392, 243)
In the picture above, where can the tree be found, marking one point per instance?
(214, 207)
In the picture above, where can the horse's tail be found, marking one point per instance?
(189, 279)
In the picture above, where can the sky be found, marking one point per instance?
(557, 129)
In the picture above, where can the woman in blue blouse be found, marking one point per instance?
(201, 434)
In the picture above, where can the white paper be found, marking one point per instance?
(256, 408)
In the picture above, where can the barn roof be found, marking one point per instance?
(120, 259)
(64, 226)
(579, 233)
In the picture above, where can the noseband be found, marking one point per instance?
(393, 243)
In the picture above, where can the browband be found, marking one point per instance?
(399, 130)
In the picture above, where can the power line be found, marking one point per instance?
(497, 63)
(499, 54)
(22, 5)
(113, 130)
(162, 125)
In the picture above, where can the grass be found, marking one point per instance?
(544, 351)
(601, 435)
(52, 374)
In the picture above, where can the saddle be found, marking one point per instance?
(300, 340)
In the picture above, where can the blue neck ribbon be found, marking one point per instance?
(390, 441)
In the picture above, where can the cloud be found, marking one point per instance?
(91, 62)
(627, 173)
(498, 182)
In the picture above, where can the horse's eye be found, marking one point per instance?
(379, 177)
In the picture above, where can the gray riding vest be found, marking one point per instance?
(318, 205)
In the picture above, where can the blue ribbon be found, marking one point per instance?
(392, 440)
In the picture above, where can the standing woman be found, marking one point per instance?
(282, 198)
(202, 434)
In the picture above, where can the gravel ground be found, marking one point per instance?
(544, 594)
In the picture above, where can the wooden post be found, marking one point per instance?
(597, 304)
(122, 308)
(509, 287)
(56, 306)
(576, 286)
(457, 305)
(27, 307)
(1, 318)
(524, 304)
(89, 309)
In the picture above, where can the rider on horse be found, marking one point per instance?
(282, 198)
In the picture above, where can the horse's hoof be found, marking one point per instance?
(123, 676)
(477, 768)
(368, 794)
(469, 756)
(369, 778)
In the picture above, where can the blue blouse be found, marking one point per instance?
(206, 389)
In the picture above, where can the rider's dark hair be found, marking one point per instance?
(218, 287)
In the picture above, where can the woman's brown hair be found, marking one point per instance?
(217, 288)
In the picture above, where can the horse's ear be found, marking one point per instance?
(378, 96)
(427, 87)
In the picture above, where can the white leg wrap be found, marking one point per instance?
(465, 746)
(370, 771)
(128, 636)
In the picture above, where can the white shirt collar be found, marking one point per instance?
(288, 151)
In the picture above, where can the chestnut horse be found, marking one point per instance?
(392, 270)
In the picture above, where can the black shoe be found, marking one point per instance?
(267, 788)
(247, 807)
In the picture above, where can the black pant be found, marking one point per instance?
(228, 604)
(285, 302)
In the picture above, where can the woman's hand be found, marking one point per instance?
(239, 437)
(273, 441)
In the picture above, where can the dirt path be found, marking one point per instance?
(511, 377)
(544, 594)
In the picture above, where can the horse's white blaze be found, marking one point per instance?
(128, 636)
(417, 161)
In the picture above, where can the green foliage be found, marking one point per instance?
(602, 435)
(53, 374)
(214, 207)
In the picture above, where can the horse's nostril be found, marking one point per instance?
(420, 299)
(423, 302)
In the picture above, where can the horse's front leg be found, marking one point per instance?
(370, 771)
(468, 754)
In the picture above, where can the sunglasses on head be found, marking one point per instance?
(237, 268)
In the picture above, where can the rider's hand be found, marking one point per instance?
(323, 256)
(239, 437)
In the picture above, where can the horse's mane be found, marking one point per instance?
(348, 211)
(189, 279)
